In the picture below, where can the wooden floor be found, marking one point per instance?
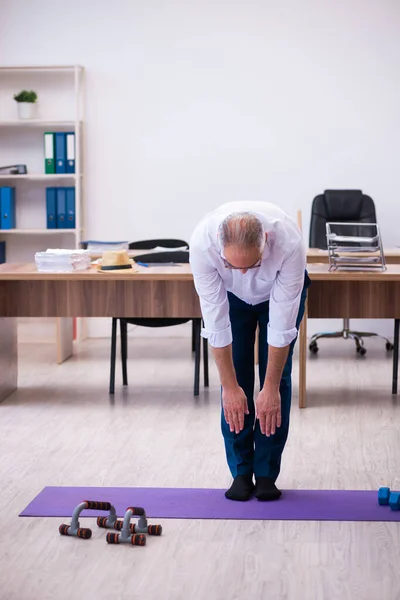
(61, 428)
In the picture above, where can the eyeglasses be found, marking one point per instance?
(229, 266)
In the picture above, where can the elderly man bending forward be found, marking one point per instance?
(249, 266)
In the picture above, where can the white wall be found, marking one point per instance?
(191, 104)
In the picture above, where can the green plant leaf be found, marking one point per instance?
(26, 96)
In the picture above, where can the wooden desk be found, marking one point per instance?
(353, 295)
(169, 292)
(152, 292)
(315, 255)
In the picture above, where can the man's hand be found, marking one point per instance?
(234, 403)
(268, 409)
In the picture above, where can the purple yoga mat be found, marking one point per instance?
(192, 503)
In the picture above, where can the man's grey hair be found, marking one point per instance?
(242, 229)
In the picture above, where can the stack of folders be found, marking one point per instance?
(62, 261)
(60, 207)
(59, 152)
(7, 207)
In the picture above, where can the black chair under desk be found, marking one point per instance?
(175, 256)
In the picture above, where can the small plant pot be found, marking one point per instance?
(26, 110)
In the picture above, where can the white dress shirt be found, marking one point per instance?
(279, 279)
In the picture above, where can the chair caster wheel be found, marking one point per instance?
(389, 346)
(313, 347)
(361, 350)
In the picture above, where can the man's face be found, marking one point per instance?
(242, 259)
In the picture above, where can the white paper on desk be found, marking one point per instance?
(162, 249)
(333, 237)
(353, 250)
(65, 251)
(357, 259)
(59, 260)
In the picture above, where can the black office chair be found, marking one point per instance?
(177, 256)
(150, 244)
(342, 206)
(164, 243)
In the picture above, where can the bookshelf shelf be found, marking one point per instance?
(36, 231)
(40, 177)
(40, 123)
(41, 69)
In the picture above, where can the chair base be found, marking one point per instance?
(346, 334)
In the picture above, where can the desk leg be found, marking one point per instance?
(395, 355)
(65, 338)
(8, 357)
(303, 360)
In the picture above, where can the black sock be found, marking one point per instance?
(266, 489)
(241, 488)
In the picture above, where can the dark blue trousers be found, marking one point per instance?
(250, 451)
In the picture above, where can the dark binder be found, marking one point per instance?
(60, 152)
(51, 207)
(7, 206)
(70, 207)
(61, 208)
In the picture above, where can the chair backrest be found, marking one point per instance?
(175, 256)
(163, 243)
(340, 206)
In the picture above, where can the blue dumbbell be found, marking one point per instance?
(394, 500)
(383, 496)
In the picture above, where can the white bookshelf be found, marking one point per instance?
(60, 107)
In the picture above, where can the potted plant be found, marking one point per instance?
(26, 102)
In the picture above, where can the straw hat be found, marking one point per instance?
(113, 260)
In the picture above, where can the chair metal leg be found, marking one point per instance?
(193, 336)
(333, 334)
(124, 350)
(395, 355)
(368, 334)
(205, 362)
(113, 355)
(197, 356)
(358, 340)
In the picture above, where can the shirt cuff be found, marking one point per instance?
(281, 339)
(218, 339)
